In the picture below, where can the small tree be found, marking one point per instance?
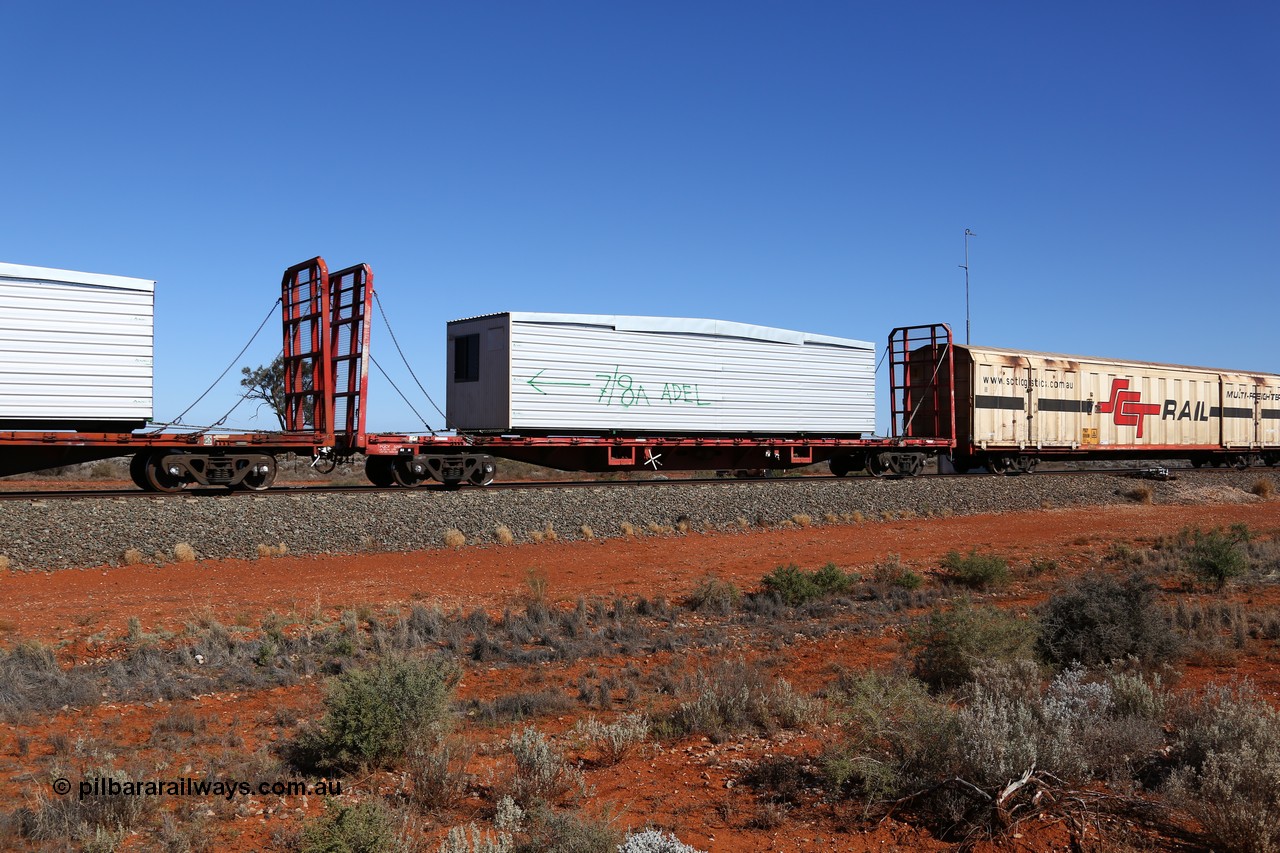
(265, 383)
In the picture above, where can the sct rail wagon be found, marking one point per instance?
(1015, 408)
(596, 393)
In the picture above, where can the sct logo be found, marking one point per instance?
(1124, 406)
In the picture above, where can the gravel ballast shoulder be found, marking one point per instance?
(63, 533)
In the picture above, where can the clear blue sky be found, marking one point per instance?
(810, 165)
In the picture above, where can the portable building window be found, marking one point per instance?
(466, 358)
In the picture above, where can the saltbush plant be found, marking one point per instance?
(733, 696)
(1098, 619)
(1227, 760)
(364, 827)
(374, 714)
(974, 570)
(948, 646)
(795, 587)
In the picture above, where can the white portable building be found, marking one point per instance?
(589, 373)
(76, 349)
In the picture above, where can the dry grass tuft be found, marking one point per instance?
(536, 536)
(682, 525)
(1139, 494)
(367, 543)
(266, 551)
(549, 532)
(743, 523)
(4, 563)
(587, 532)
(1264, 489)
(502, 533)
(830, 518)
(854, 517)
(454, 538)
(184, 553)
(654, 527)
(801, 519)
(628, 529)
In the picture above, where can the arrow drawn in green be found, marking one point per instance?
(533, 381)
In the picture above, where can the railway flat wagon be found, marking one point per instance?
(566, 373)
(1014, 408)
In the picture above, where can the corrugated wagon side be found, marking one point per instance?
(1015, 408)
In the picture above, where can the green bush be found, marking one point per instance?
(974, 570)
(1227, 759)
(374, 714)
(795, 586)
(1099, 619)
(1217, 556)
(892, 572)
(947, 646)
(366, 827)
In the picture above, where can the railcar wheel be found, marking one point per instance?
(408, 473)
(880, 464)
(262, 475)
(1002, 465)
(452, 485)
(840, 466)
(157, 478)
(138, 470)
(1027, 464)
(482, 474)
(378, 470)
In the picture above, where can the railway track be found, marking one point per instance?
(436, 489)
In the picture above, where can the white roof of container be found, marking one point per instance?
(680, 325)
(20, 271)
(1111, 361)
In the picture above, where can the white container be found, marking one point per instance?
(76, 349)
(591, 373)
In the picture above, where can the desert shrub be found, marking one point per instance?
(615, 740)
(655, 841)
(794, 586)
(1099, 619)
(1263, 488)
(31, 680)
(895, 735)
(989, 760)
(1214, 557)
(892, 572)
(974, 570)
(947, 646)
(365, 827)
(374, 714)
(1227, 756)
(540, 776)
(438, 776)
(550, 831)
(470, 839)
(735, 696)
(98, 821)
(184, 553)
(1140, 494)
(454, 538)
(715, 596)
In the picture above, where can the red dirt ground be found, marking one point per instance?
(686, 785)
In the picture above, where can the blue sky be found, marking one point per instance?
(804, 165)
